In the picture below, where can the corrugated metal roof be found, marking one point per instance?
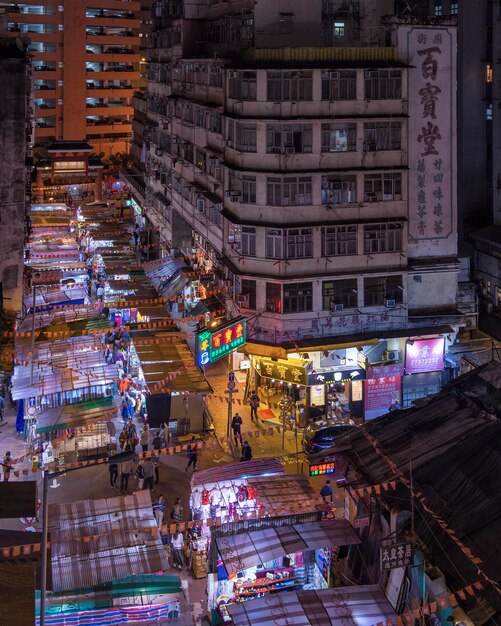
(232, 471)
(356, 606)
(125, 547)
(245, 550)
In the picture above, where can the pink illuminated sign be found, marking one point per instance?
(424, 355)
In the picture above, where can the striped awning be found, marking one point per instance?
(234, 471)
(245, 550)
(356, 606)
(75, 415)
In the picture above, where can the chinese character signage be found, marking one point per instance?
(431, 54)
(397, 555)
(281, 370)
(321, 469)
(327, 378)
(424, 355)
(382, 371)
(214, 344)
(380, 394)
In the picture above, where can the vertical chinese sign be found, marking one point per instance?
(431, 54)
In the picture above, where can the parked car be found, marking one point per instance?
(322, 436)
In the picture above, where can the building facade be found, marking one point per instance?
(308, 154)
(86, 66)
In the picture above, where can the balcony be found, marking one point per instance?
(108, 129)
(109, 92)
(113, 57)
(113, 75)
(44, 111)
(45, 131)
(113, 22)
(108, 110)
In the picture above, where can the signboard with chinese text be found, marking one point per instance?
(212, 345)
(397, 555)
(321, 469)
(431, 55)
(326, 378)
(424, 355)
(281, 370)
(382, 371)
(380, 394)
(361, 522)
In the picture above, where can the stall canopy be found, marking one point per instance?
(256, 548)
(354, 606)
(234, 471)
(73, 415)
(99, 541)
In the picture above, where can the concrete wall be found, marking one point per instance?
(13, 179)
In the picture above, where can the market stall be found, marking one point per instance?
(363, 605)
(273, 556)
(224, 491)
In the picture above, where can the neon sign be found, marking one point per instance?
(321, 469)
(214, 344)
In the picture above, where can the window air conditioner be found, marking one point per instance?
(232, 74)
(200, 205)
(392, 355)
(337, 306)
(390, 304)
(333, 74)
(243, 300)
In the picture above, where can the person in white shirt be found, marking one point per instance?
(100, 293)
(177, 543)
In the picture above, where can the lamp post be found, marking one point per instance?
(121, 457)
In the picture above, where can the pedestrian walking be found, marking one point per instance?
(192, 455)
(113, 469)
(2, 408)
(144, 439)
(246, 452)
(7, 466)
(326, 492)
(159, 510)
(156, 463)
(126, 470)
(111, 428)
(177, 511)
(236, 427)
(254, 404)
(140, 475)
(149, 474)
(89, 287)
(177, 543)
(100, 293)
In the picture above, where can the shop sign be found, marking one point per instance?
(212, 345)
(397, 555)
(245, 364)
(361, 360)
(380, 394)
(424, 355)
(281, 370)
(134, 205)
(383, 371)
(362, 522)
(326, 378)
(327, 466)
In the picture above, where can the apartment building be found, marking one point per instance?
(86, 66)
(309, 150)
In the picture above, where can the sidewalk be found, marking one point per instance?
(262, 444)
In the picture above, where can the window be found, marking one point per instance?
(288, 138)
(454, 8)
(200, 159)
(242, 136)
(299, 243)
(383, 84)
(10, 276)
(339, 189)
(339, 240)
(298, 297)
(379, 289)
(339, 85)
(248, 241)
(339, 294)
(288, 191)
(249, 189)
(339, 29)
(273, 297)
(248, 290)
(285, 23)
(382, 187)
(382, 136)
(289, 85)
(438, 8)
(382, 238)
(274, 243)
(243, 86)
(339, 137)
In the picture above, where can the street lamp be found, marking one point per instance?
(121, 457)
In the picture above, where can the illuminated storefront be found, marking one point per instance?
(212, 345)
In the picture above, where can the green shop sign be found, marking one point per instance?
(212, 345)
